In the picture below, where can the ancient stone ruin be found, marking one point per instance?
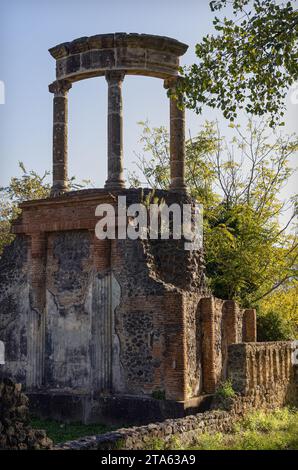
(15, 430)
(99, 329)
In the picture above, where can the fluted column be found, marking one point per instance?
(36, 315)
(60, 131)
(177, 139)
(115, 131)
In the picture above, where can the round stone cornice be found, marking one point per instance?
(115, 40)
(132, 54)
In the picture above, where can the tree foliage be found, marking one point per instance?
(249, 62)
(28, 187)
(249, 254)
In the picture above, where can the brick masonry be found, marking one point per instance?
(256, 389)
(119, 317)
(110, 316)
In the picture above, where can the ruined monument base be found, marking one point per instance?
(96, 330)
(111, 409)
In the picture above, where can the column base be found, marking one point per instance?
(58, 191)
(109, 184)
(178, 188)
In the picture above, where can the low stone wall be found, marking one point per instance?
(263, 377)
(15, 431)
(143, 436)
(263, 373)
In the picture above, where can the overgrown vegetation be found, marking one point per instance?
(62, 432)
(251, 255)
(258, 431)
(29, 186)
(277, 430)
(225, 390)
(278, 314)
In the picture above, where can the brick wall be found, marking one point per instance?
(222, 324)
(120, 316)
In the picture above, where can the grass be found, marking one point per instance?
(277, 430)
(62, 432)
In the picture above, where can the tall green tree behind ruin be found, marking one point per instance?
(250, 254)
(248, 63)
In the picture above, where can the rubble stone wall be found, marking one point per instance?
(263, 373)
(186, 429)
(15, 430)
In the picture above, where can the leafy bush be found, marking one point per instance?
(249, 253)
(225, 390)
(274, 327)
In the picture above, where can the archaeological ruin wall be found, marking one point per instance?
(85, 318)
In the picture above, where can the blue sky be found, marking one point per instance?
(29, 27)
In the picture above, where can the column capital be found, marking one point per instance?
(114, 76)
(60, 87)
(172, 82)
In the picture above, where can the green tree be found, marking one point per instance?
(278, 313)
(249, 62)
(248, 253)
(154, 161)
(29, 186)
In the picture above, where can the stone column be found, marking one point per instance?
(60, 117)
(115, 131)
(177, 139)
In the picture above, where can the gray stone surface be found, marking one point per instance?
(114, 56)
(2, 353)
(155, 56)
